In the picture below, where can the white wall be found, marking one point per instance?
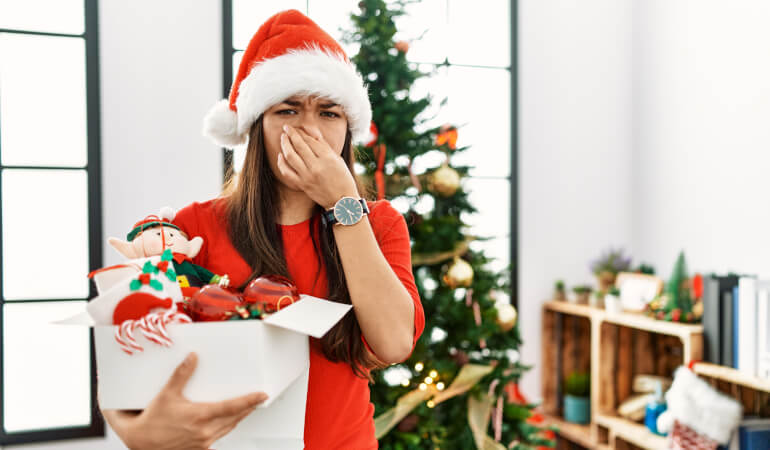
(701, 135)
(574, 149)
(644, 124)
(161, 69)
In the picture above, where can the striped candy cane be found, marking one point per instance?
(152, 326)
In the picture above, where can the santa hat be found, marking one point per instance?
(288, 55)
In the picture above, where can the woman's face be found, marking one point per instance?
(316, 115)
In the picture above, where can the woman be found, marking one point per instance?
(297, 211)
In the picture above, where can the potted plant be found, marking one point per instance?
(608, 265)
(577, 401)
(559, 293)
(612, 302)
(582, 293)
(597, 300)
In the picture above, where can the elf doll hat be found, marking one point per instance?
(288, 55)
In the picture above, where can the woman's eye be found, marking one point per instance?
(331, 114)
(286, 111)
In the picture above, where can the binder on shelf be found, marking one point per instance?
(763, 328)
(727, 331)
(747, 325)
(714, 290)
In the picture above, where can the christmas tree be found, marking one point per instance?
(459, 388)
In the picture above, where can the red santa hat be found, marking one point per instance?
(288, 55)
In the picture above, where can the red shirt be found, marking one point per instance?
(338, 413)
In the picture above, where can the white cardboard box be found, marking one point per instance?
(234, 358)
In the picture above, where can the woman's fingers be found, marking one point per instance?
(226, 425)
(233, 406)
(301, 145)
(287, 171)
(291, 156)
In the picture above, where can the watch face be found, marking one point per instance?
(348, 211)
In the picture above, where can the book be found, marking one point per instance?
(763, 328)
(754, 434)
(726, 330)
(747, 325)
(714, 289)
(736, 337)
(711, 322)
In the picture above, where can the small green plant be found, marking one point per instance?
(559, 286)
(582, 289)
(614, 291)
(578, 384)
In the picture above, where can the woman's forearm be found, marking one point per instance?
(382, 304)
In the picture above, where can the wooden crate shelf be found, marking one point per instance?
(733, 376)
(579, 434)
(613, 347)
(631, 432)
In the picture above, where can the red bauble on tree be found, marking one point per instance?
(271, 292)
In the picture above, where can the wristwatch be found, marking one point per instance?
(347, 211)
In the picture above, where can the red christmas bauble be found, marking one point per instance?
(212, 303)
(273, 292)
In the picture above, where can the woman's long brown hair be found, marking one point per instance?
(252, 210)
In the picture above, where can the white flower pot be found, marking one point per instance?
(613, 304)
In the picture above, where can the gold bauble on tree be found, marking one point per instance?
(506, 316)
(402, 46)
(459, 274)
(444, 181)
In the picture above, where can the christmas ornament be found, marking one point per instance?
(506, 316)
(679, 301)
(409, 423)
(371, 138)
(152, 326)
(156, 235)
(402, 46)
(447, 135)
(271, 292)
(379, 174)
(444, 181)
(459, 357)
(459, 274)
(212, 303)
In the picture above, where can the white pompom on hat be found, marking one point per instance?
(288, 55)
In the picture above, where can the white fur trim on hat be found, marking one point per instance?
(220, 124)
(310, 71)
(167, 213)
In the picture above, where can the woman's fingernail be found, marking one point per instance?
(286, 128)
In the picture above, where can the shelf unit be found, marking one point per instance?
(613, 347)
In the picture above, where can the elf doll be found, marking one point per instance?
(156, 235)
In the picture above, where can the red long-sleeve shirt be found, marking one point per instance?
(339, 414)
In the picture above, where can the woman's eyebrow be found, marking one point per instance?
(329, 105)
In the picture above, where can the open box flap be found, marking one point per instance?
(310, 315)
(78, 319)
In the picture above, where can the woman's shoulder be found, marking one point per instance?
(192, 215)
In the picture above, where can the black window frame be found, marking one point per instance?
(93, 174)
(227, 155)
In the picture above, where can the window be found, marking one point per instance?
(50, 226)
(472, 53)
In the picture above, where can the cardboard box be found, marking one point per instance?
(234, 358)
